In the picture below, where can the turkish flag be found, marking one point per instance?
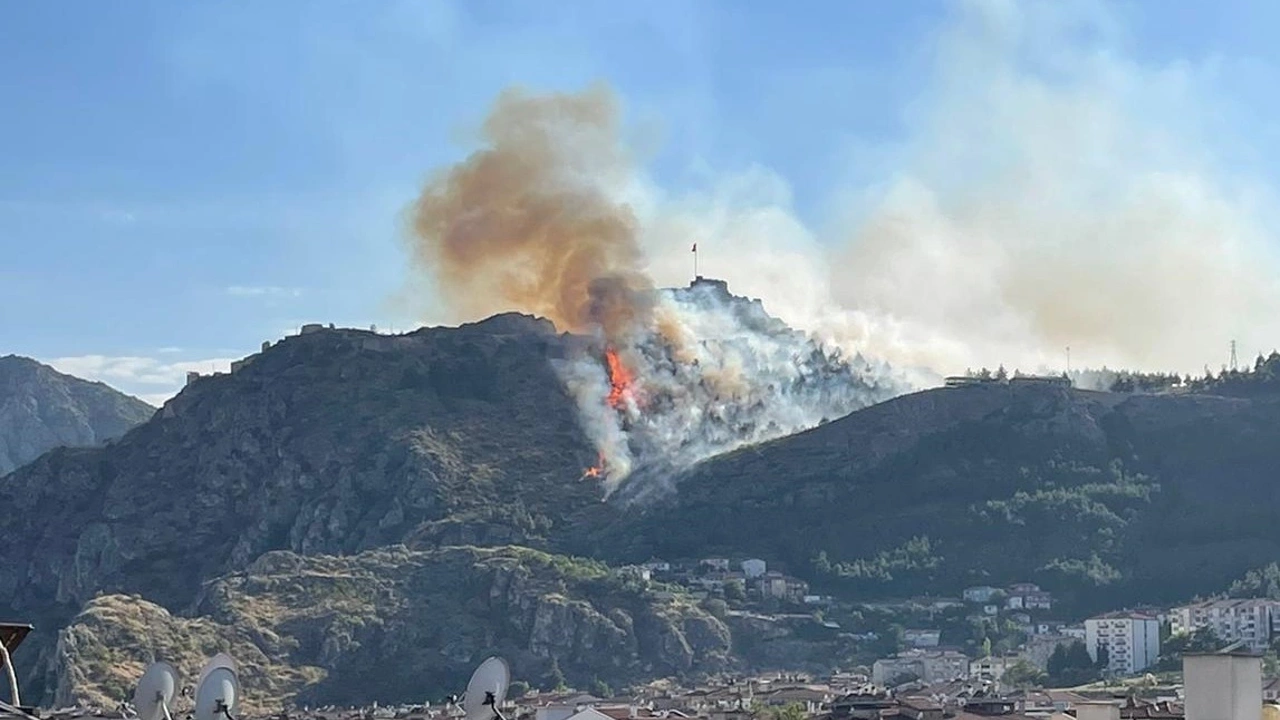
(695, 248)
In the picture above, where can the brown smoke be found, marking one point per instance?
(527, 222)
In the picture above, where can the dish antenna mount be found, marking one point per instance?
(218, 689)
(486, 691)
(155, 692)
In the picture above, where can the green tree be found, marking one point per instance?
(554, 681)
(1022, 675)
(1171, 651)
(717, 607)
(519, 689)
(822, 564)
(735, 590)
(1071, 665)
(601, 689)
(986, 647)
(1264, 582)
(790, 711)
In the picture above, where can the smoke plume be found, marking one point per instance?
(1047, 192)
(533, 221)
(527, 221)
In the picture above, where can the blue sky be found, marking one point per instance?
(183, 180)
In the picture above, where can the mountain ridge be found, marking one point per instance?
(41, 409)
(342, 443)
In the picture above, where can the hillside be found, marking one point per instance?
(393, 625)
(41, 408)
(337, 446)
(333, 442)
(1104, 499)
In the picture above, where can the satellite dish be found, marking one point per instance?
(486, 691)
(155, 691)
(218, 690)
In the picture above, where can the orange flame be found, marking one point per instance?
(595, 471)
(620, 380)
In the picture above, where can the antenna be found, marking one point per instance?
(486, 691)
(218, 689)
(155, 692)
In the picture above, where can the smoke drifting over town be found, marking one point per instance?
(1048, 193)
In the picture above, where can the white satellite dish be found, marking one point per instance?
(218, 689)
(155, 692)
(486, 691)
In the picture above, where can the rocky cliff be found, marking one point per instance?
(41, 408)
(332, 442)
(393, 625)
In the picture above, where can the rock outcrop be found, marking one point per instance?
(41, 409)
(393, 625)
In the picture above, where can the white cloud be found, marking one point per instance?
(150, 379)
(269, 291)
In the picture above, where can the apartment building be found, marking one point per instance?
(1251, 621)
(1131, 641)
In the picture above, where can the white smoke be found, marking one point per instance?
(712, 373)
(1051, 193)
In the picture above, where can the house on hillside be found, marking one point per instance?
(921, 638)
(1027, 596)
(754, 567)
(980, 593)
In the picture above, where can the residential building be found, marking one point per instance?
(1271, 689)
(715, 564)
(1130, 641)
(754, 567)
(980, 594)
(1075, 631)
(1039, 648)
(991, 667)
(1047, 702)
(929, 666)
(1222, 686)
(811, 697)
(1251, 621)
(657, 566)
(639, 572)
(774, 584)
(1028, 596)
(921, 638)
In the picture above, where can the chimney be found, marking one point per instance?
(1222, 686)
(1097, 710)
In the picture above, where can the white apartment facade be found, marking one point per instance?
(1250, 621)
(1131, 640)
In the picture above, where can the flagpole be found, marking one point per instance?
(695, 261)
